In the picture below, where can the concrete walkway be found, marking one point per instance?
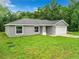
(72, 36)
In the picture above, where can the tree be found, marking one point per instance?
(74, 5)
(5, 17)
(3, 12)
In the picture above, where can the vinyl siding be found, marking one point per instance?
(50, 30)
(61, 23)
(27, 30)
(30, 30)
(10, 30)
(59, 29)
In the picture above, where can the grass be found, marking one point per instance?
(38, 47)
(74, 33)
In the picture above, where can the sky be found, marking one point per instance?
(28, 5)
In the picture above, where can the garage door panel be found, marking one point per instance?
(61, 30)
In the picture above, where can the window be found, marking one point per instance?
(18, 29)
(36, 29)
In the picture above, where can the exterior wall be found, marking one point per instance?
(10, 30)
(43, 30)
(61, 30)
(50, 30)
(61, 23)
(40, 29)
(27, 30)
(56, 30)
(53, 30)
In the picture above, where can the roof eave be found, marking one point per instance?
(29, 25)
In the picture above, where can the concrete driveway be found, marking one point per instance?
(72, 36)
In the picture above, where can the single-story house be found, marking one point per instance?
(26, 27)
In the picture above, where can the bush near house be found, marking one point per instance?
(38, 47)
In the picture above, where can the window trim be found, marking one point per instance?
(35, 29)
(19, 33)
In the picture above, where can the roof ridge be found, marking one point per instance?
(29, 21)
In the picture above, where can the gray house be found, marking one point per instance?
(26, 27)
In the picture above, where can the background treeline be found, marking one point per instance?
(52, 11)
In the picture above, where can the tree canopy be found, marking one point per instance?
(52, 11)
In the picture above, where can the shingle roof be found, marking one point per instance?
(33, 22)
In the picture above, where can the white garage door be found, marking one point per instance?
(61, 30)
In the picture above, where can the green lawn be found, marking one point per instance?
(38, 47)
(74, 33)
